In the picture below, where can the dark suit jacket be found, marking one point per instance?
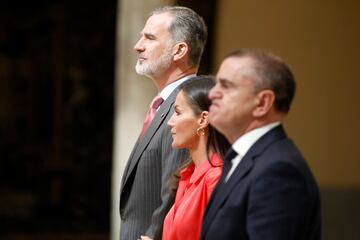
(270, 195)
(144, 198)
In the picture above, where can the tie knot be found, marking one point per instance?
(230, 155)
(156, 102)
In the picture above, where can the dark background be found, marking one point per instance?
(57, 77)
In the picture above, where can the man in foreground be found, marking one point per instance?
(266, 190)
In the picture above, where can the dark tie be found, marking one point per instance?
(155, 103)
(230, 155)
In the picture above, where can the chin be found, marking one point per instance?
(177, 145)
(216, 123)
(174, 145)
(213, 119)
(213, 115)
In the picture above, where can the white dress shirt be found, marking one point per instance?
(165, 93)
(244, 143)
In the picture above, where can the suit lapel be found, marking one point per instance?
(223, 190)
(154, 126)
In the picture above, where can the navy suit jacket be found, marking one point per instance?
(271, 195)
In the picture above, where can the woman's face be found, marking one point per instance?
(184, 123)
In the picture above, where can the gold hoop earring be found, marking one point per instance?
(200, 132)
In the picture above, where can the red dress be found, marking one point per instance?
(183, 221)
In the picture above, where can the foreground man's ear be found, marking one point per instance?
(265, 101)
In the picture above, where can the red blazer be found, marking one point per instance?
(183, 221)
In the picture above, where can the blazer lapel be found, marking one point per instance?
(223, 190)
(154, 126)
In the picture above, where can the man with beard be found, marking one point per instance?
(169, 52)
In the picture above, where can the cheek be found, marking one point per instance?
(228, 111)
(240, 109)
(157, 51)
(188, 138)
(185, 134)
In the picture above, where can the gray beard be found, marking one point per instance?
(155, 67)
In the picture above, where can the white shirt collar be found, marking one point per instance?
(244, 143)
(165, 93)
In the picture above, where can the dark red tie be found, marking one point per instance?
(155, 103)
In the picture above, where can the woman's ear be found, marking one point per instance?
(265, 101)
(180, 50)
(204, 119)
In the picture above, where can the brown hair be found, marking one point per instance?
(270, 72)
(196, 92)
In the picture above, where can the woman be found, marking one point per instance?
(190, 129)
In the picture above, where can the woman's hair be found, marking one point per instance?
(196, 92)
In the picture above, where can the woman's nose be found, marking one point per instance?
(170, 123)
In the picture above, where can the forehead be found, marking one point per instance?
(158, 23)
(235, 67)
(180, 98)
